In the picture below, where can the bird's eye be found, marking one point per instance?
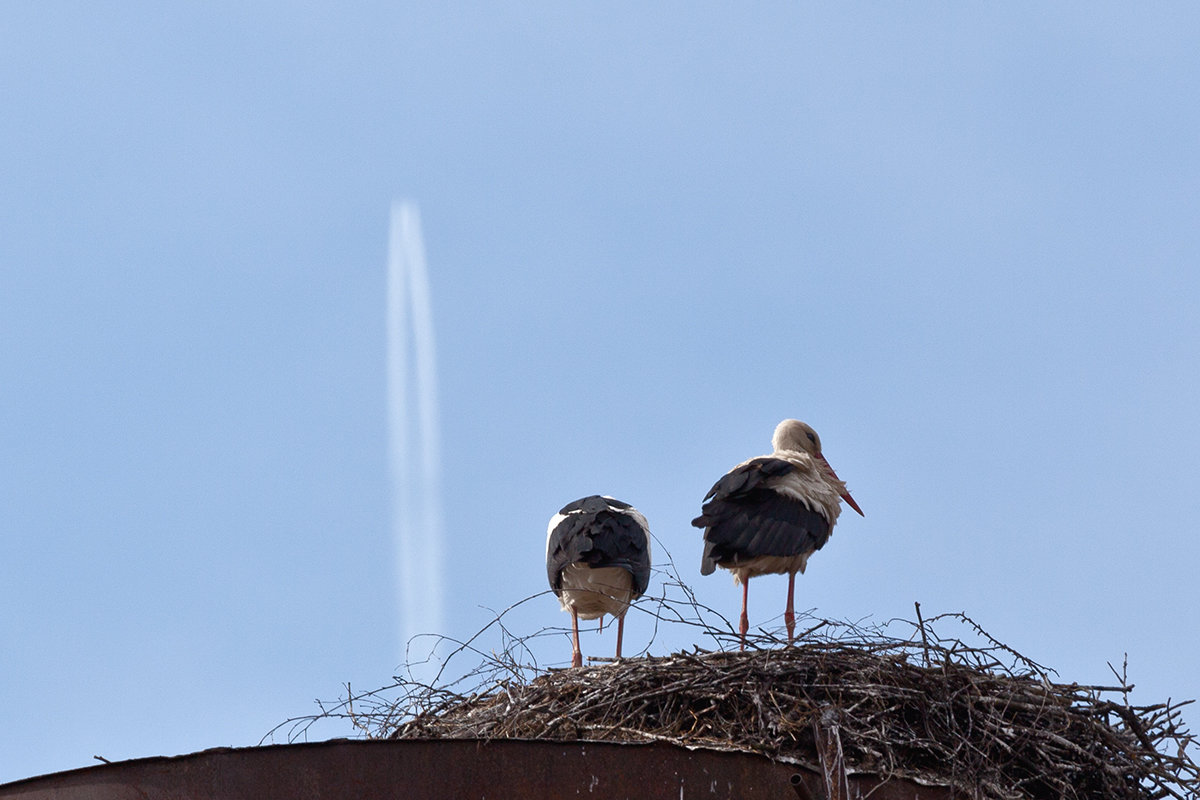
(811, 437)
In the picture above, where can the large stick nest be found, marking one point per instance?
(942, 714)
(977, 717)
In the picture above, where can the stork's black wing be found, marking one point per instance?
(598, 535)
(744, 517)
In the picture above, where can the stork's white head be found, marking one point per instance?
(794, 435)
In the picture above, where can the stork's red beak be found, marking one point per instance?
(846, 494)
(850, 502)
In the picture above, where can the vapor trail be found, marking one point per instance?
(413, 432)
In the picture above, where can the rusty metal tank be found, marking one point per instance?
(429, 770)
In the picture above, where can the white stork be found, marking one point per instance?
(769, 514)
(598, 561)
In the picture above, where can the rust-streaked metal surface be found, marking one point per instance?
(429, 770)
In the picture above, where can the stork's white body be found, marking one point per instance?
(808, 484)
(592, 592)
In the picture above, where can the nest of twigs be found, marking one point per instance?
(963, 711)
(945, 715)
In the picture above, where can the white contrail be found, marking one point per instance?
(413, 440)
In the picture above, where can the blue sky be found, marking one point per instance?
(960, 241)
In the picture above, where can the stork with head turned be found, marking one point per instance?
(769, 514)
(598, 561)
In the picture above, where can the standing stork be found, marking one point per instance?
(769, 514)
(598, 561)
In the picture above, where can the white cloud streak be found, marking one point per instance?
(414, 454)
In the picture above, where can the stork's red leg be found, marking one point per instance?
(620, 633)
(789, 616)
(576, 653)
(745, 621)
